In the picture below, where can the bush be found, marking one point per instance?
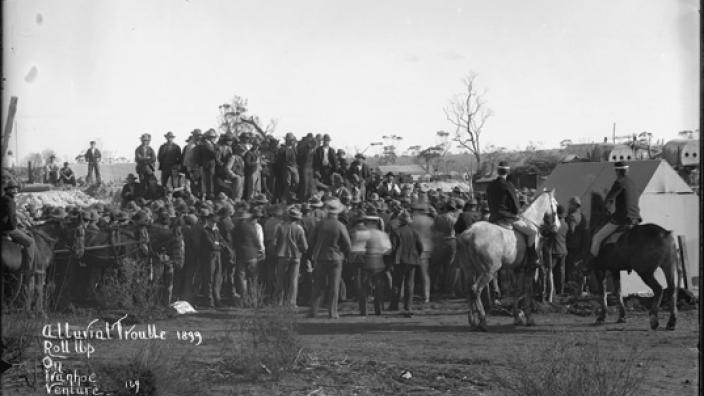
(158, 372)
(265, 345)
(18, 334)
(128, 286)
(575, 369)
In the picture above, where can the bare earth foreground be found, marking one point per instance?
(367, 355)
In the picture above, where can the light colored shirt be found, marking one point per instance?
(260, 236)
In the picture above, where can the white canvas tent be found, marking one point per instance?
(665, 199)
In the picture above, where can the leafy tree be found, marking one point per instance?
(389, 154)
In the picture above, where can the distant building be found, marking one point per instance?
(414, 171)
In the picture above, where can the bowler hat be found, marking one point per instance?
(503, 165)
(169, 134)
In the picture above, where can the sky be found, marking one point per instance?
(110, 70)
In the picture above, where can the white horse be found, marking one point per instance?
(485, 248)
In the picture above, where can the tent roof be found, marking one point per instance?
(583, 178)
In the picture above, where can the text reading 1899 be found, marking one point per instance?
(194, 337)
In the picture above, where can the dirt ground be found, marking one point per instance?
(367, 355)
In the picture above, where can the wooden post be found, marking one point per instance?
(8, 124)
(683, 258)
(31, 172)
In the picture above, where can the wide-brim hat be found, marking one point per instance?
(140, 217)
(145, 136)
(360, 156)
(290, 136)
(576, 201)
(294, 213)
(57, 213)
(419, 206)
(169, 134)
(503, 165)
(334, 206)
(315, 202)
(374, 197)
(390, 174)
(259, 199)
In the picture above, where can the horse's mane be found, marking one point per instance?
(534, 211)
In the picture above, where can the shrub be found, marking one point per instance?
(265, 345)
(128, 286)
(566, 368)
(158, 372)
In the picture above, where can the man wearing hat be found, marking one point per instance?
(360, 168)
(289, 246)
(577, 238)
(211, 243)
(469, 216)
(189, 161)
(8, 221)
(504, 206)
(169, 158)
(145, 158)
(248, 239)
(423, 224)
(306, 153)
(287, 165)
(388, 188)
(252, 168)
(407, 250)
(622, 202)
(341, 160)
(330, 243)
(66, 175)
(92, 157)
(207, 153)
(325, 161)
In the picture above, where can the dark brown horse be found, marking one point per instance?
(32, 276)
(642, 249)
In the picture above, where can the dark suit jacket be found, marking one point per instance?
(318, 159)
(92, 158)
(363, 174)
(169, 156)
(503, 200)
(330, 241)
(407, 245)
(144, 159)
(626, 195)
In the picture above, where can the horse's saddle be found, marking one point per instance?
(614, 237)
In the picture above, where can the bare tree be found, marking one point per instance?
(468, 113)
(234, 118)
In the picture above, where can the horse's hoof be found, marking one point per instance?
(621, 320)
(654, 322)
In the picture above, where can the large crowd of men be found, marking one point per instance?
(298, 222)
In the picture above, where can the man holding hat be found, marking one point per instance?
(169, 158)
(325, 161)
(92, 157)
(145, 157)
(622, 202)
(504, 206)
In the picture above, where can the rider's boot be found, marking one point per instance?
(532, 256)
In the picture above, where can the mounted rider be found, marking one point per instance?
(8, 221)
(622, 202)
(504, 206)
